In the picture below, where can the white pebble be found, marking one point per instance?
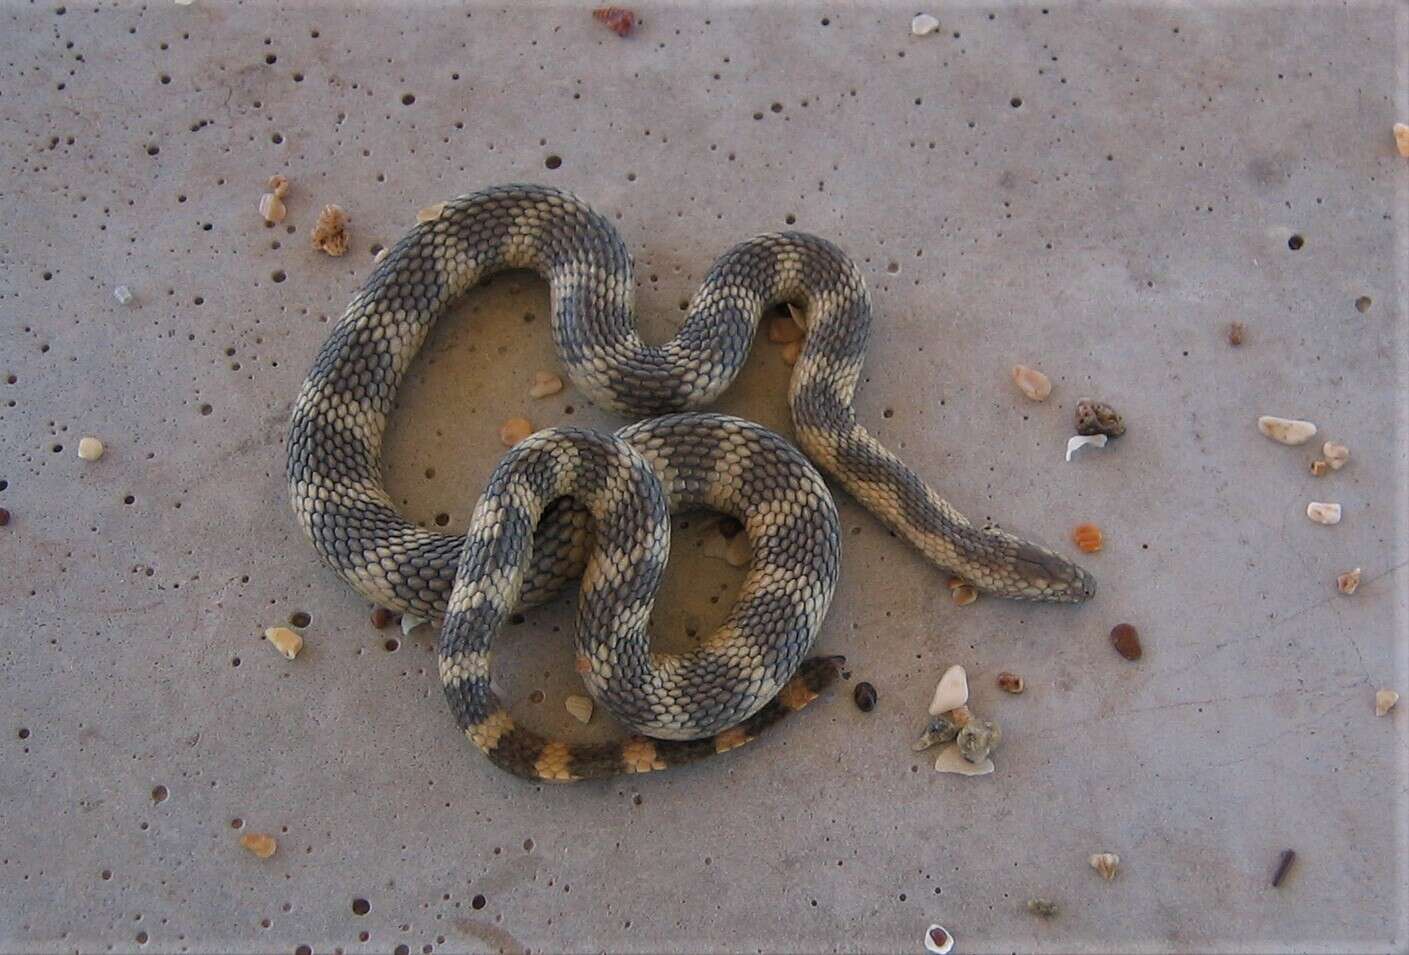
(1384, 701)
(580, 707)
(950, 760)
(1401, 139)
(271, 207)
(938, 948)
(1032, 382)
(923, 24)
(1105, 863)
(1323, 513)
(545, 383)
(952, 691)
(1286, 430)
(1336, 454)
(123, 294)
(410, 622)
(1078, 441)
(90, 449)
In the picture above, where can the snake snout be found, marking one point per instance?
(1064, 581)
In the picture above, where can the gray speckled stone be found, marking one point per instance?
(1140, 195)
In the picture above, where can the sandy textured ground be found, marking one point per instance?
(1095, 189)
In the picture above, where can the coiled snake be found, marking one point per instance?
(608, 495)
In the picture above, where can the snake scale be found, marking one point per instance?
(568, 503)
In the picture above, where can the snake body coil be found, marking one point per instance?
(618, 488)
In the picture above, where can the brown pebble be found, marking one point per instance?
(4, 517)
(865, 696)
(1010, 682)
(1283, 866)
(382, 617)
(1127, 641)
(1235, 333)
(1097, 417)
(259, 844)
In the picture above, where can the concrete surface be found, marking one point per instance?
(1096, 189)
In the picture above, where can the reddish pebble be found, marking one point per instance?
(4, 517)
(619, 20)
(1126, 640)
(382, 617)
(939, 936)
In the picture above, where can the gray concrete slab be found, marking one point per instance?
(1094, 189)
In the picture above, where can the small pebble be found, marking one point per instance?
(938, 940)
(330, 231)
(1126, 640)
(963, 595)
(90, 449)
(1401, 139)
(1105, 863)
(1043, 907)
(1078, 441)
(545, 383)
(977, 739)
(430, 213)
(1097, 417)
(1032, 382)
(1088, 538)
(515, 430)
(258, 843)
(923, 25)
(410, 622)
(1336, 454)
(123, 294)
(285, 641)
(4, 517)
(1236, 331)
(738, 551)
(791, 352)
(1319, 468)
(1286, 430)
(951, 691)
(619, 20)
(1010, 682)
(1324, 513)
(1348, 582)
(279, 185)
(381, 254)
(1283, 866)
(580, 707)
(1384, 701)
(271, 207)
(865, 697)
(383, 618)
(782, 329)
(940, 729)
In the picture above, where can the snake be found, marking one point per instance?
(568, 505)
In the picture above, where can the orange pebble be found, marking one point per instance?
(1087, 537)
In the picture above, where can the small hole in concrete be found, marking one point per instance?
(407, 99)
(277, 138)
(237, 823)
(159, 794)
(536, 696)
(478, 901)
(279, 275)
(299, 619)
(392, 644)
(1015, 102)
(1295, 242)
(442, 519)
(361, 906)
(206, 409)
(1362, 305)
(553, 162)
(23, 733)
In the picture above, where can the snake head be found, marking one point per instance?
(1046, 575)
